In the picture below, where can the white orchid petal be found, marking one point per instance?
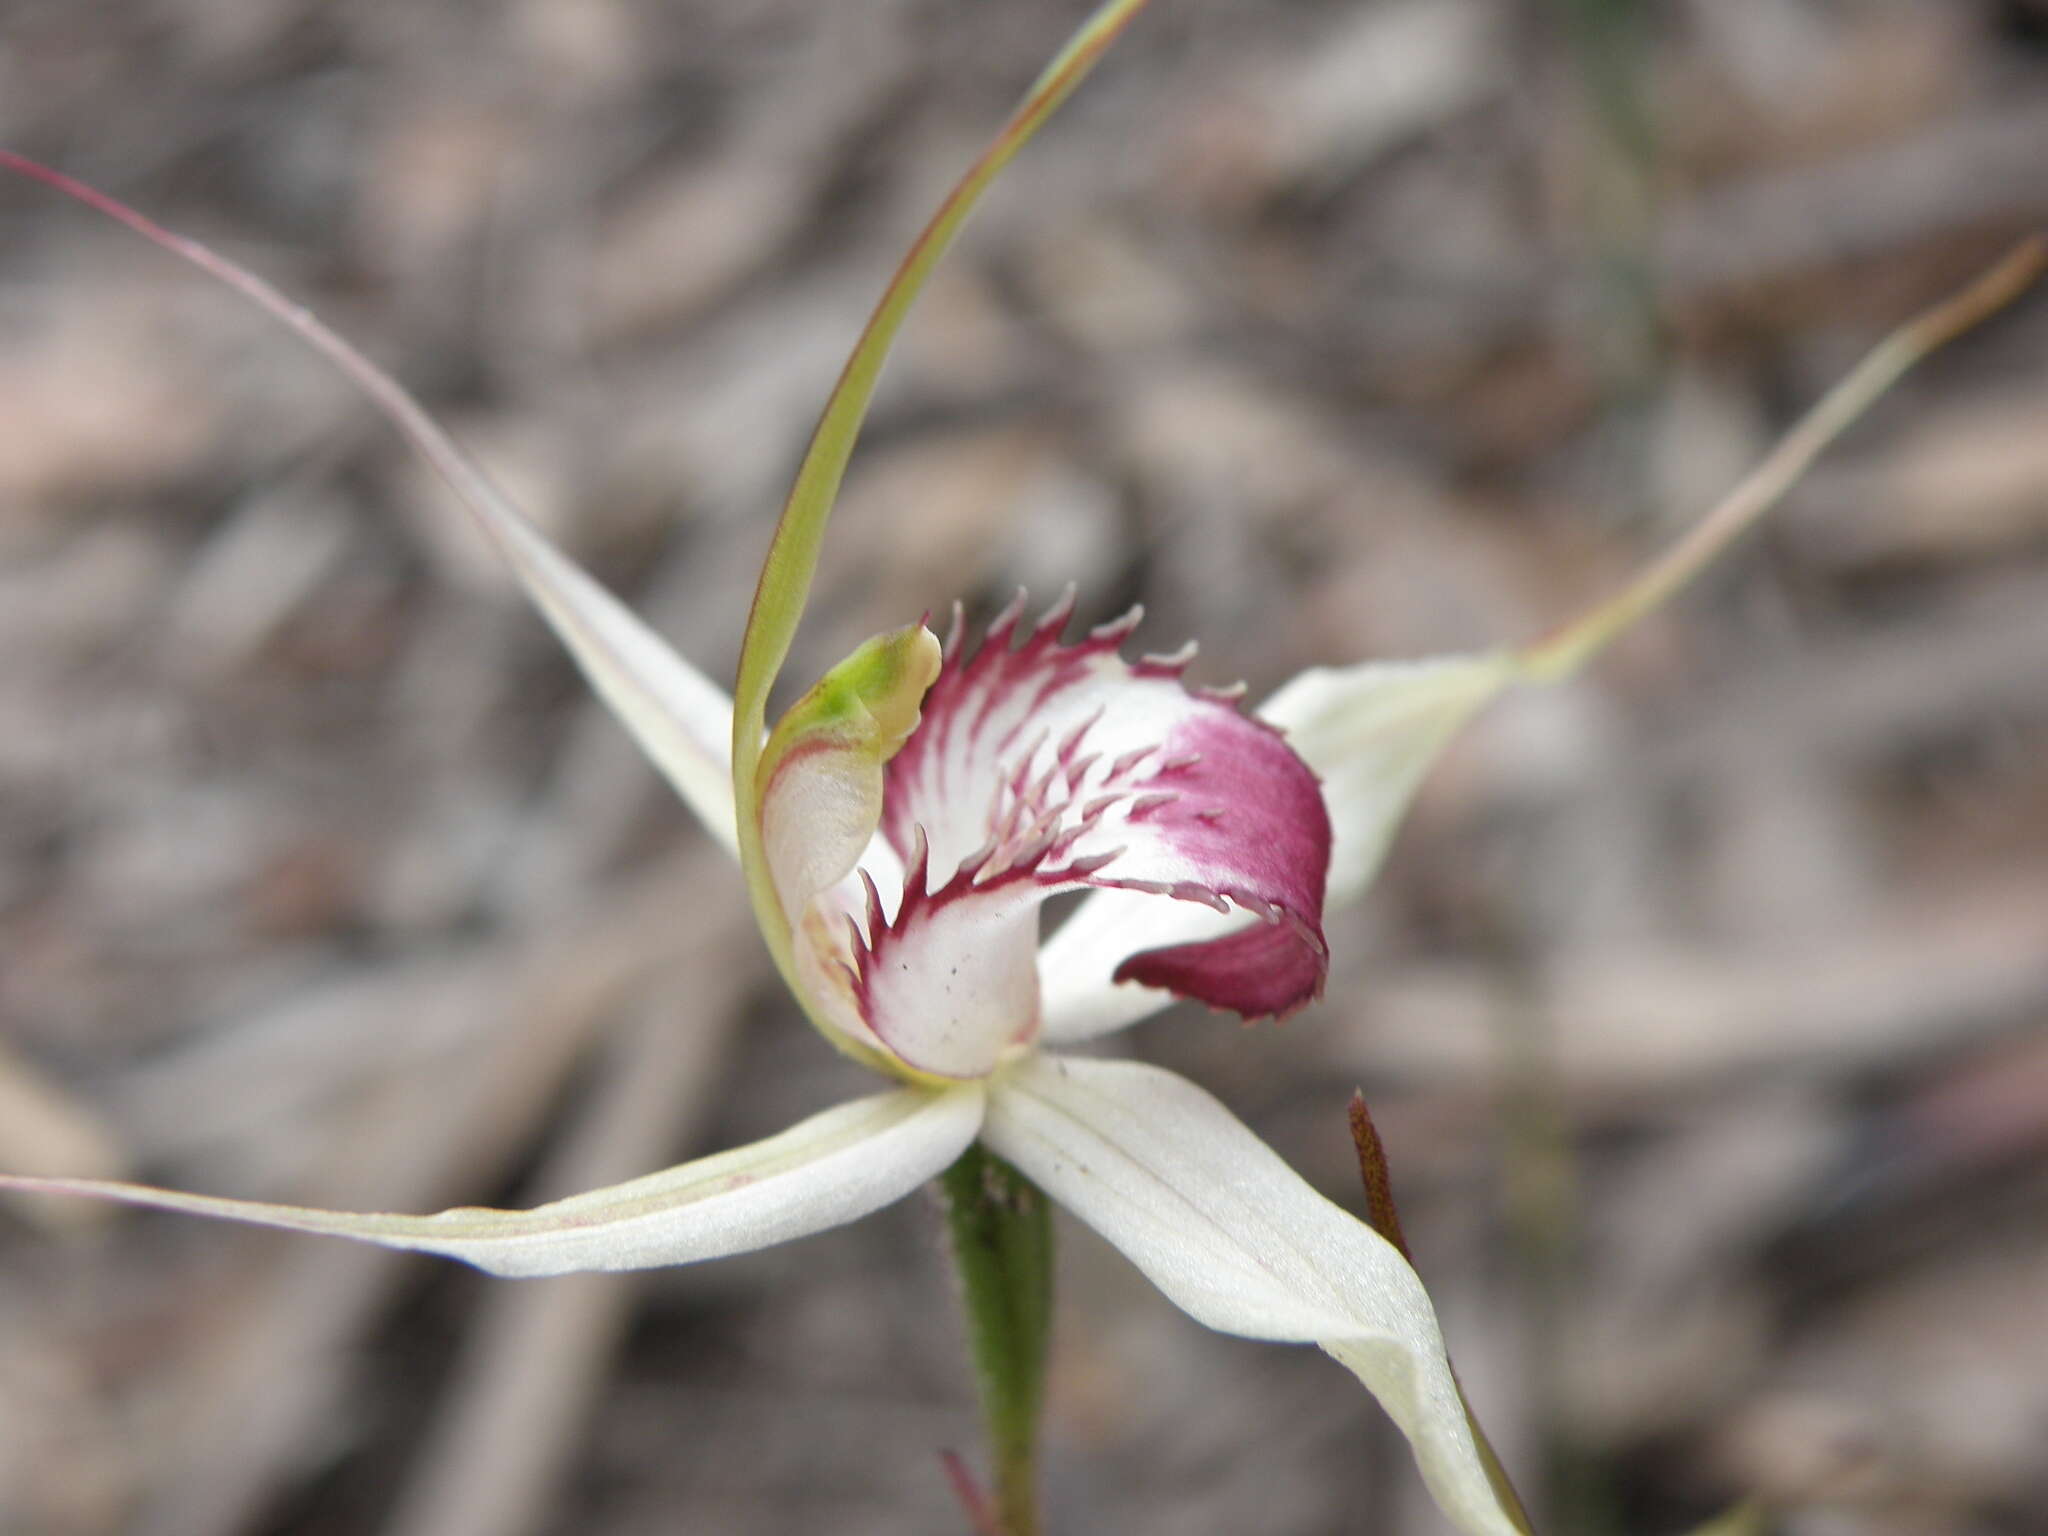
(678, 716)
(1234, 1237)
(826, 1171)
(1370, 732)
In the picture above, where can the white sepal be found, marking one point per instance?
(1235, 1238)
(679, 717)
(823, 1172)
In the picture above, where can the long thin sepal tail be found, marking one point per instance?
(681, 719)
(833, 1168)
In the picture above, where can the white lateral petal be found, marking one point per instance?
(679, 717)
(681, 720)
(1235, 1238)
(1370, 732)
(828, 1170)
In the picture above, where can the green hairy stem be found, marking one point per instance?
(1001, 1230)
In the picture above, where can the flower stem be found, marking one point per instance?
(1001, 1229)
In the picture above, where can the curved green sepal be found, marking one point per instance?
(792, 559)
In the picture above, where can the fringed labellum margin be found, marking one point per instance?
(1038, 767)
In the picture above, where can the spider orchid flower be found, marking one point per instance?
(903, 822)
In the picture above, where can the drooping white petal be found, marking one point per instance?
(1370, 732)
(826, 1171)
(1234, 1237)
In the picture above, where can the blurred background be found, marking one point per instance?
(1701, 1004)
